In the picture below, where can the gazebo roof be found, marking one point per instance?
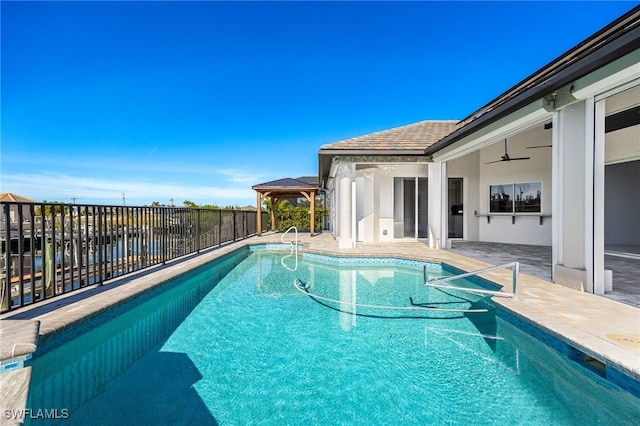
(286, 183)
(286, 187)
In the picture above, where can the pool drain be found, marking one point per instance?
(625, 339)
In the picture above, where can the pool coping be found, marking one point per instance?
(576, 327)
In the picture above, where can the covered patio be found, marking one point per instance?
(535, 260)
(286, 188)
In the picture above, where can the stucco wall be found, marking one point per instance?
(375, 198)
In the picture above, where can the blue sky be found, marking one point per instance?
(201, 100)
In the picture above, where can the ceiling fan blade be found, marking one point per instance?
(506, 157)
(509, 159)
(540, 146)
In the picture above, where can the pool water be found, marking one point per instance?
(237, 343)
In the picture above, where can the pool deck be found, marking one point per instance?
(607, 330)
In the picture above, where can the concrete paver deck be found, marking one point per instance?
(604, 329)
(536, 261)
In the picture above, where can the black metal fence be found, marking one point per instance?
(50, 249)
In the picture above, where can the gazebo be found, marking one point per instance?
(286, 188)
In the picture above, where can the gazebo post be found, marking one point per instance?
(274, 201)
(259, 214)
(313, 212)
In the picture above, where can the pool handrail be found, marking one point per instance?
(294, 249)
(515, 272)
(286, 232)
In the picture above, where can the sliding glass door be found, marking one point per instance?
(455, 208)
(410, 207)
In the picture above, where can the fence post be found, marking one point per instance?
(198, 231)
(6, 277)
(163, 240)
(245, 225)
(233, 211)
(32, 248)
(219, 226)
(98, 246)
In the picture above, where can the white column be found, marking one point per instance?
(354, 201)
(574, 211)
(444, 206)
(589, 175)
(416, 218)
(600, 284)
(345, 215)
(434, 207)
(556, 194)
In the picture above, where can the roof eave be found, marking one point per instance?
(284, 188)
(374, 152)
(325, 156)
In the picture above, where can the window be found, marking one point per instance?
(501, 198)
(528, 197)
(525, 197)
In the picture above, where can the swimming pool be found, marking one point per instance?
(236, 342)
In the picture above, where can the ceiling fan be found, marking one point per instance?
(506, 157)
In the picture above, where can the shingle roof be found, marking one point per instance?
(417, 136)
(309, 180)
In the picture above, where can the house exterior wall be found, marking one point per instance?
(14, 215)
(372, 207)
(375, 195)
(384, 201)
(366, 216)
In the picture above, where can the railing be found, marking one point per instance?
(51, 249)
(291, 228)
(515, 272)
(294, 248)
